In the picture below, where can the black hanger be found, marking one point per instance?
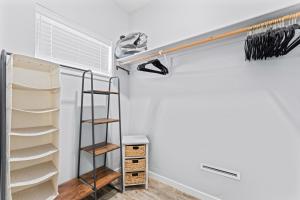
(162, 69)
(294, 43)
(274, 42)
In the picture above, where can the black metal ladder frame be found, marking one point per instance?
(94, 186)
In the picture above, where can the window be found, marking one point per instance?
(59, 43)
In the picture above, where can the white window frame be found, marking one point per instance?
(59, 22)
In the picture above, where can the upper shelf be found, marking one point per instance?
(215, 34)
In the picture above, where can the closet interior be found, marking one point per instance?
(101, 158)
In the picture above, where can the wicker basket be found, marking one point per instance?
(133, 165)
(133, 178)
(135, 150)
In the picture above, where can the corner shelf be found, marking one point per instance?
(32, 153)
(33, 175)
(44, 191)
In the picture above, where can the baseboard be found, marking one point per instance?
(181, 187)
(186, 189)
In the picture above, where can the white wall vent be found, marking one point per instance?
(221, 171)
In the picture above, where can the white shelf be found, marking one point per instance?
(44, 191)
(33, 131)
(34, 90)
(24, 87)
(32, 153)
(33, 175)
(36, 111)
(35, 64)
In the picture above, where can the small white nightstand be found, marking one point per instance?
(135, 161)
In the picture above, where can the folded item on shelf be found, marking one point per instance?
(131, 44)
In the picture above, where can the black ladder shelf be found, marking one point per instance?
(99, 176)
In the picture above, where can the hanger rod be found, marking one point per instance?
(212, 38)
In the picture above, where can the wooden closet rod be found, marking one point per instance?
(214, 38)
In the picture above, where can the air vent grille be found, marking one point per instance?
(221, 171)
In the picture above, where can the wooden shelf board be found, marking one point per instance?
(19, 86)
(32, 153)
(33, 131)
(101, 92)
(44, 191)
(101, 148)
(76, 190)
(135, 184)
(36, 111)
(33, 174)
(101, 121)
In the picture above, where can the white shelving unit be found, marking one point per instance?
(33, 110)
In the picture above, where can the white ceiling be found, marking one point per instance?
(131, 5)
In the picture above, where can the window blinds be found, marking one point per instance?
(59, 43)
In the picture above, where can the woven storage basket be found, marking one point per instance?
(132, 165)
(135, 178)
(135, 150)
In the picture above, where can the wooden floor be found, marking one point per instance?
(156, 191)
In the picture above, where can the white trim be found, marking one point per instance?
(184, 188)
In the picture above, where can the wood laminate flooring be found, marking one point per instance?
(156, 191)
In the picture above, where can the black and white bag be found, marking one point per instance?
(131, 44)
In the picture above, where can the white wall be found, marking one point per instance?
(218, 109)
(168, 20)
(101, 19)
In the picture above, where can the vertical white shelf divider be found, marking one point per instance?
(33, 104)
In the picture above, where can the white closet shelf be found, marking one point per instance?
(19, 86)
(36, 111)
(44, 191)
(33, 174)
(33, 131)
(32, 153)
